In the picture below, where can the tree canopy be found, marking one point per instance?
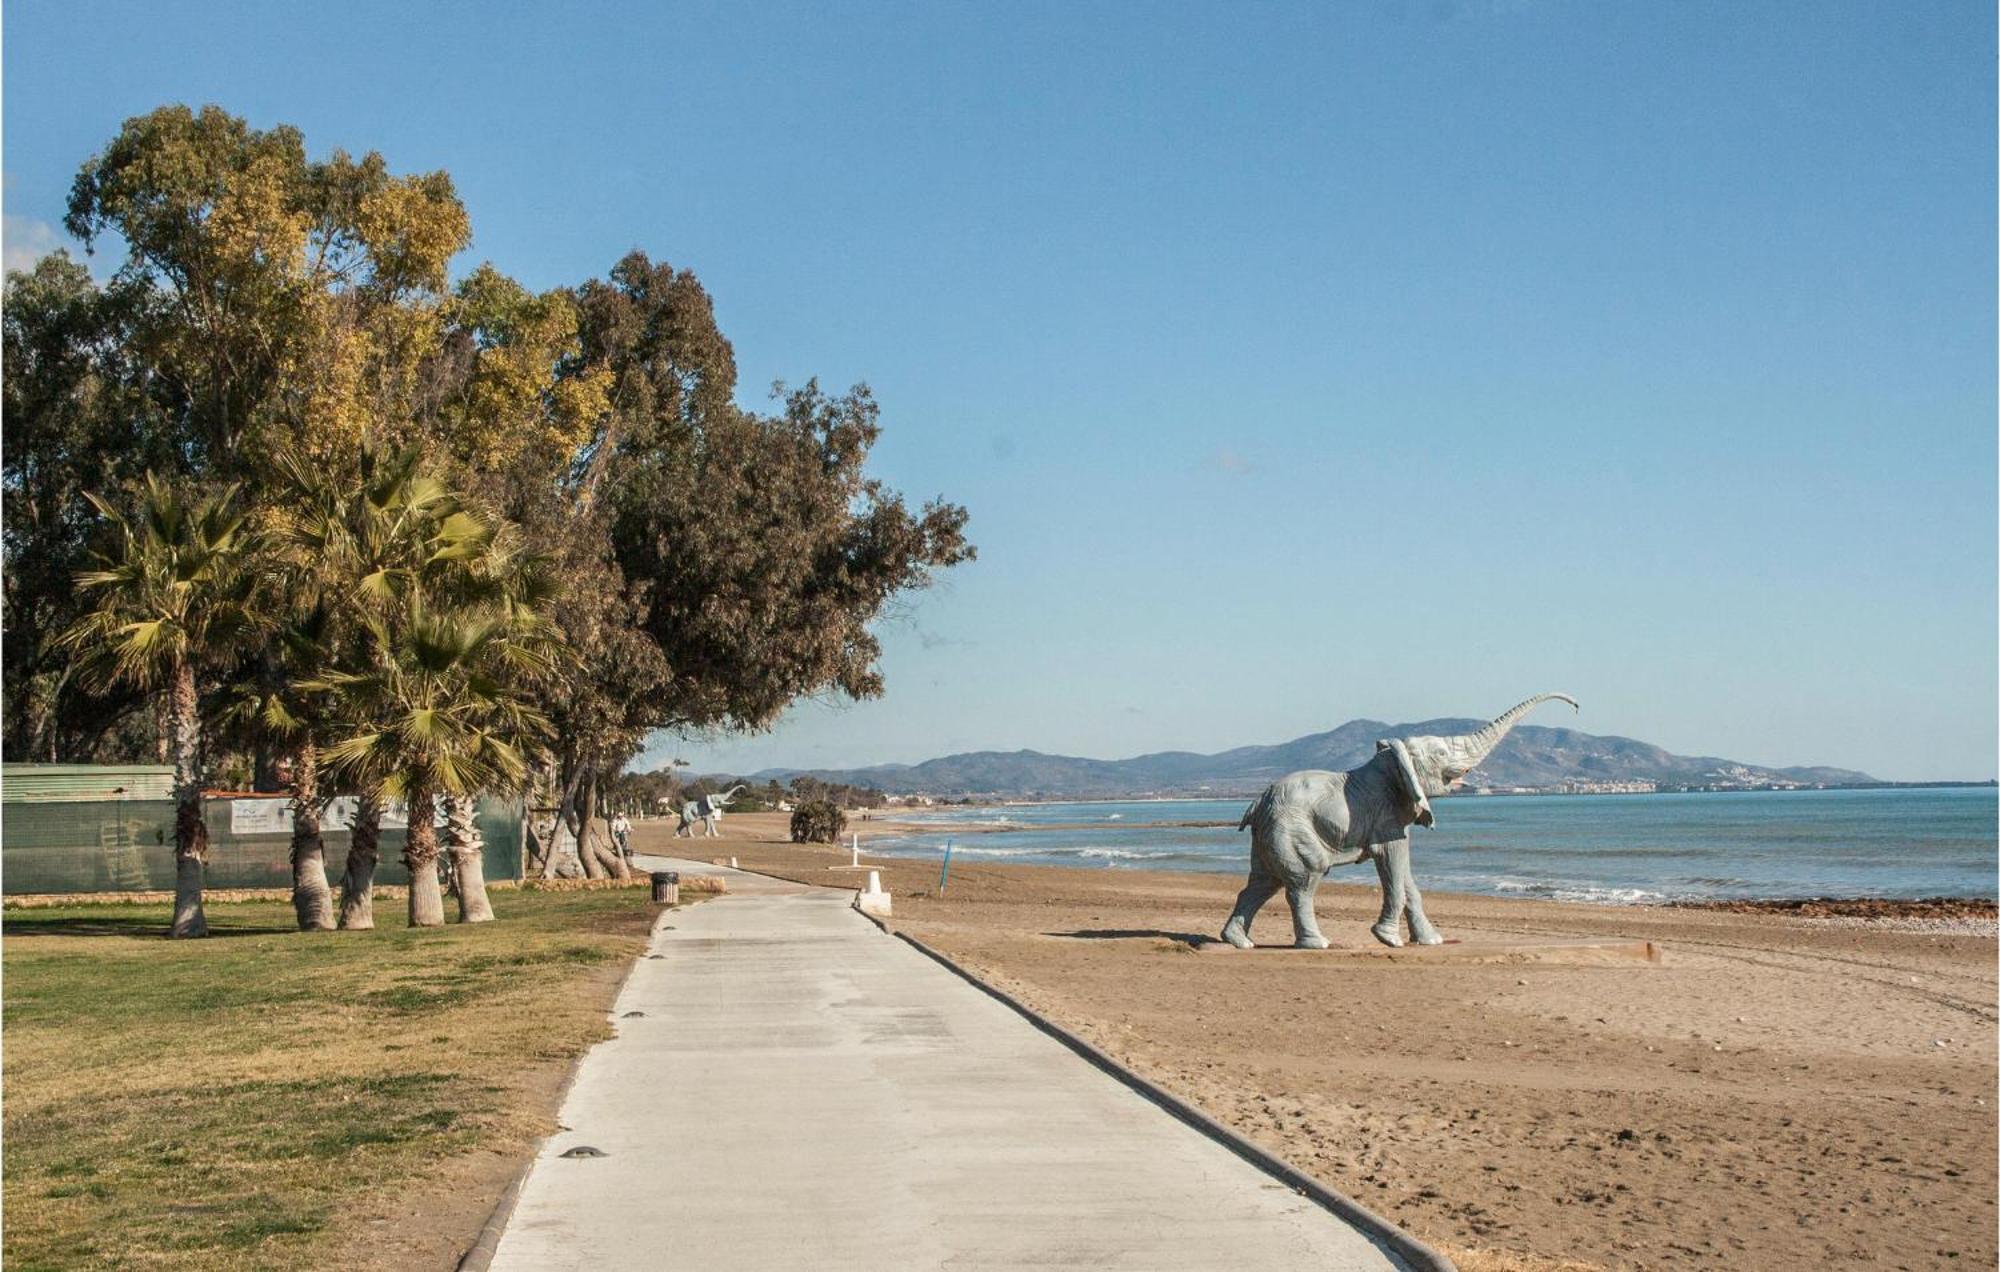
(273, 312)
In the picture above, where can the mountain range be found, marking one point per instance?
(1531, 757)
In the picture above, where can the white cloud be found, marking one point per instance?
(24, 240)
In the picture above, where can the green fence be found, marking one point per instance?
(124, 845)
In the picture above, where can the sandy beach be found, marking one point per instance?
(1778, 1091)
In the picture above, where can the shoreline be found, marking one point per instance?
(1253, 792)
(1971, 909)
(1749, 1100)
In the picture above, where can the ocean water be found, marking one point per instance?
(1638, 849)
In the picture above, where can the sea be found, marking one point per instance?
(1620, 849)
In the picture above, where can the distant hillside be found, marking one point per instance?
(1531, 757)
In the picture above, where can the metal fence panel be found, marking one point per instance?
(127, 845)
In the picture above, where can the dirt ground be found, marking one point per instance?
(1777, 1092)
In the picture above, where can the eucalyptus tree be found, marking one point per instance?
(290, 303)
(734, 561)
(77, 422)
(172, 598)
(768, 553)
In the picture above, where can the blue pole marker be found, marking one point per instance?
(944, 872)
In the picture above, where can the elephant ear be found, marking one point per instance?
(1406, 772)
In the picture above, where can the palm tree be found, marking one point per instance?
(436, 707)
(441, 637)
(350, 543)
(517, 587)
(273, 707)
(173, 599)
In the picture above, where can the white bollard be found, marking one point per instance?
(873, 900)
(733, 865)
(856, 863)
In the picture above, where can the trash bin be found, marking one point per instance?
(666, 887)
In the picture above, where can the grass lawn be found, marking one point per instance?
(268, 1098)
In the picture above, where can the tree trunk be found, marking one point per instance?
(576, 813)
(565, 862)
(264, 768)
(468, 859)
(190, 830)
(619, 868)
(310, 896)
(534, 849)
(599, 860)
(357, 881)
(420, 850)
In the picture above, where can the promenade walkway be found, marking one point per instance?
(803, 1091)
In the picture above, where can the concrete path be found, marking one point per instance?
(804, 1091)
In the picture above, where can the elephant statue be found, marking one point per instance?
(707, 810)
(1307, 823)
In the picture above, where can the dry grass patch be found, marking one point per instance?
(257, 1098)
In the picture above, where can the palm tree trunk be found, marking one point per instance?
(190, 830)
(420, 850)
(468, 859)
(357, 881)
(310, 896)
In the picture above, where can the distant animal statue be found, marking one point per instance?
(707, 810)
(1307, 823)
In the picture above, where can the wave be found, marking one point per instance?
(982, 850)
(1049, 853)
(1600, 895)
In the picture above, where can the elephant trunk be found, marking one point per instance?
(1480, 745)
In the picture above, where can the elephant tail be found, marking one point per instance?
(1250, 813)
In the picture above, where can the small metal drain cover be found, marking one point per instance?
(585, 1150)
(655, 956)
(630, 1014)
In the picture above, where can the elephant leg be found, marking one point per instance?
(1305, 925)
(1421, 930)
(1255, 893)
(1388, 928)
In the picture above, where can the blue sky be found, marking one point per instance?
(1296, 362)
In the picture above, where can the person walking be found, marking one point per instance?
(621, 834)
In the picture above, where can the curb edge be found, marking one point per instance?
(1415, 1254)
(479, 1256)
